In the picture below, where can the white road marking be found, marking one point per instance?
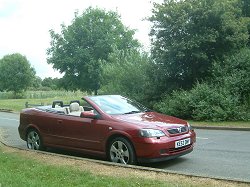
(201, 138)
(9, 119)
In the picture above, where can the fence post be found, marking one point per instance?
(26, 104)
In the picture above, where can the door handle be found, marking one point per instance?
(59, 121)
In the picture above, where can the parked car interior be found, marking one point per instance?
(73, 109)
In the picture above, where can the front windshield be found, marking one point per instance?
(116, 104)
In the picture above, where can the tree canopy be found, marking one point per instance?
(201, 51)
(91, 37)
(53, 83)
(16, 73)
(187, 36)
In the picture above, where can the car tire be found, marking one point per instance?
(34, 140)
(121, 151)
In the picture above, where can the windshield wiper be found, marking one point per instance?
(132, 112)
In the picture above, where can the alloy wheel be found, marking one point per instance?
(33, 140)
(119, 152)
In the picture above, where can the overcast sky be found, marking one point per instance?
(25, 24)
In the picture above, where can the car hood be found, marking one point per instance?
(151, 120)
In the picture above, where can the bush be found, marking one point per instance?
(216, 104)
(204, 102)
(176, 104)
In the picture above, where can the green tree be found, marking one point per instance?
(187, 36)
(246, 8)
(246, 13)
(226, 96)
(16, 73)
(52, 83)
(128, 74)
(79, 48)
(36, 83)
(233, 75)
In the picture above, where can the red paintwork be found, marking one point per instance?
(92, 135)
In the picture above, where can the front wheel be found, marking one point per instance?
(34, 140)
(121, 151)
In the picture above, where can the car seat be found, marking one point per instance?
(75, 109)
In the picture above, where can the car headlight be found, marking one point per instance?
(189, 127)
(149, 133)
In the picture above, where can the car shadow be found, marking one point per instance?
(159, 165)
(73, 153)
(165, 164)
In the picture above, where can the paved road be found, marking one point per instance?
(9, 123)
(218, 153)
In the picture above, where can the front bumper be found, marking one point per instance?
(160, 159)
(162, 149)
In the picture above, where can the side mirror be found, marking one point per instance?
(89, 114)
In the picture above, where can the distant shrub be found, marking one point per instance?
(12, 95)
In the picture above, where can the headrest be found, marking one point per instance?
(74, 107)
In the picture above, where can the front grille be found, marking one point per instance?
(174, 150)
(178, 130)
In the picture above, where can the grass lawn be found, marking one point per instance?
(28, 168)
(19, 171)
(17, 105)
(240, 124)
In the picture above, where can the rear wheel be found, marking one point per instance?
(34, 140)
(121, 151)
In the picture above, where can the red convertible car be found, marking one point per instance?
(111, 126)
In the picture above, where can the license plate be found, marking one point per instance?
(182, 143)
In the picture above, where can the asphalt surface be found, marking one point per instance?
(218, 153)
(9, 123)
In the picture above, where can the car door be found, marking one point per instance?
(82, 133)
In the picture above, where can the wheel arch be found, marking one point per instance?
(30, 127)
